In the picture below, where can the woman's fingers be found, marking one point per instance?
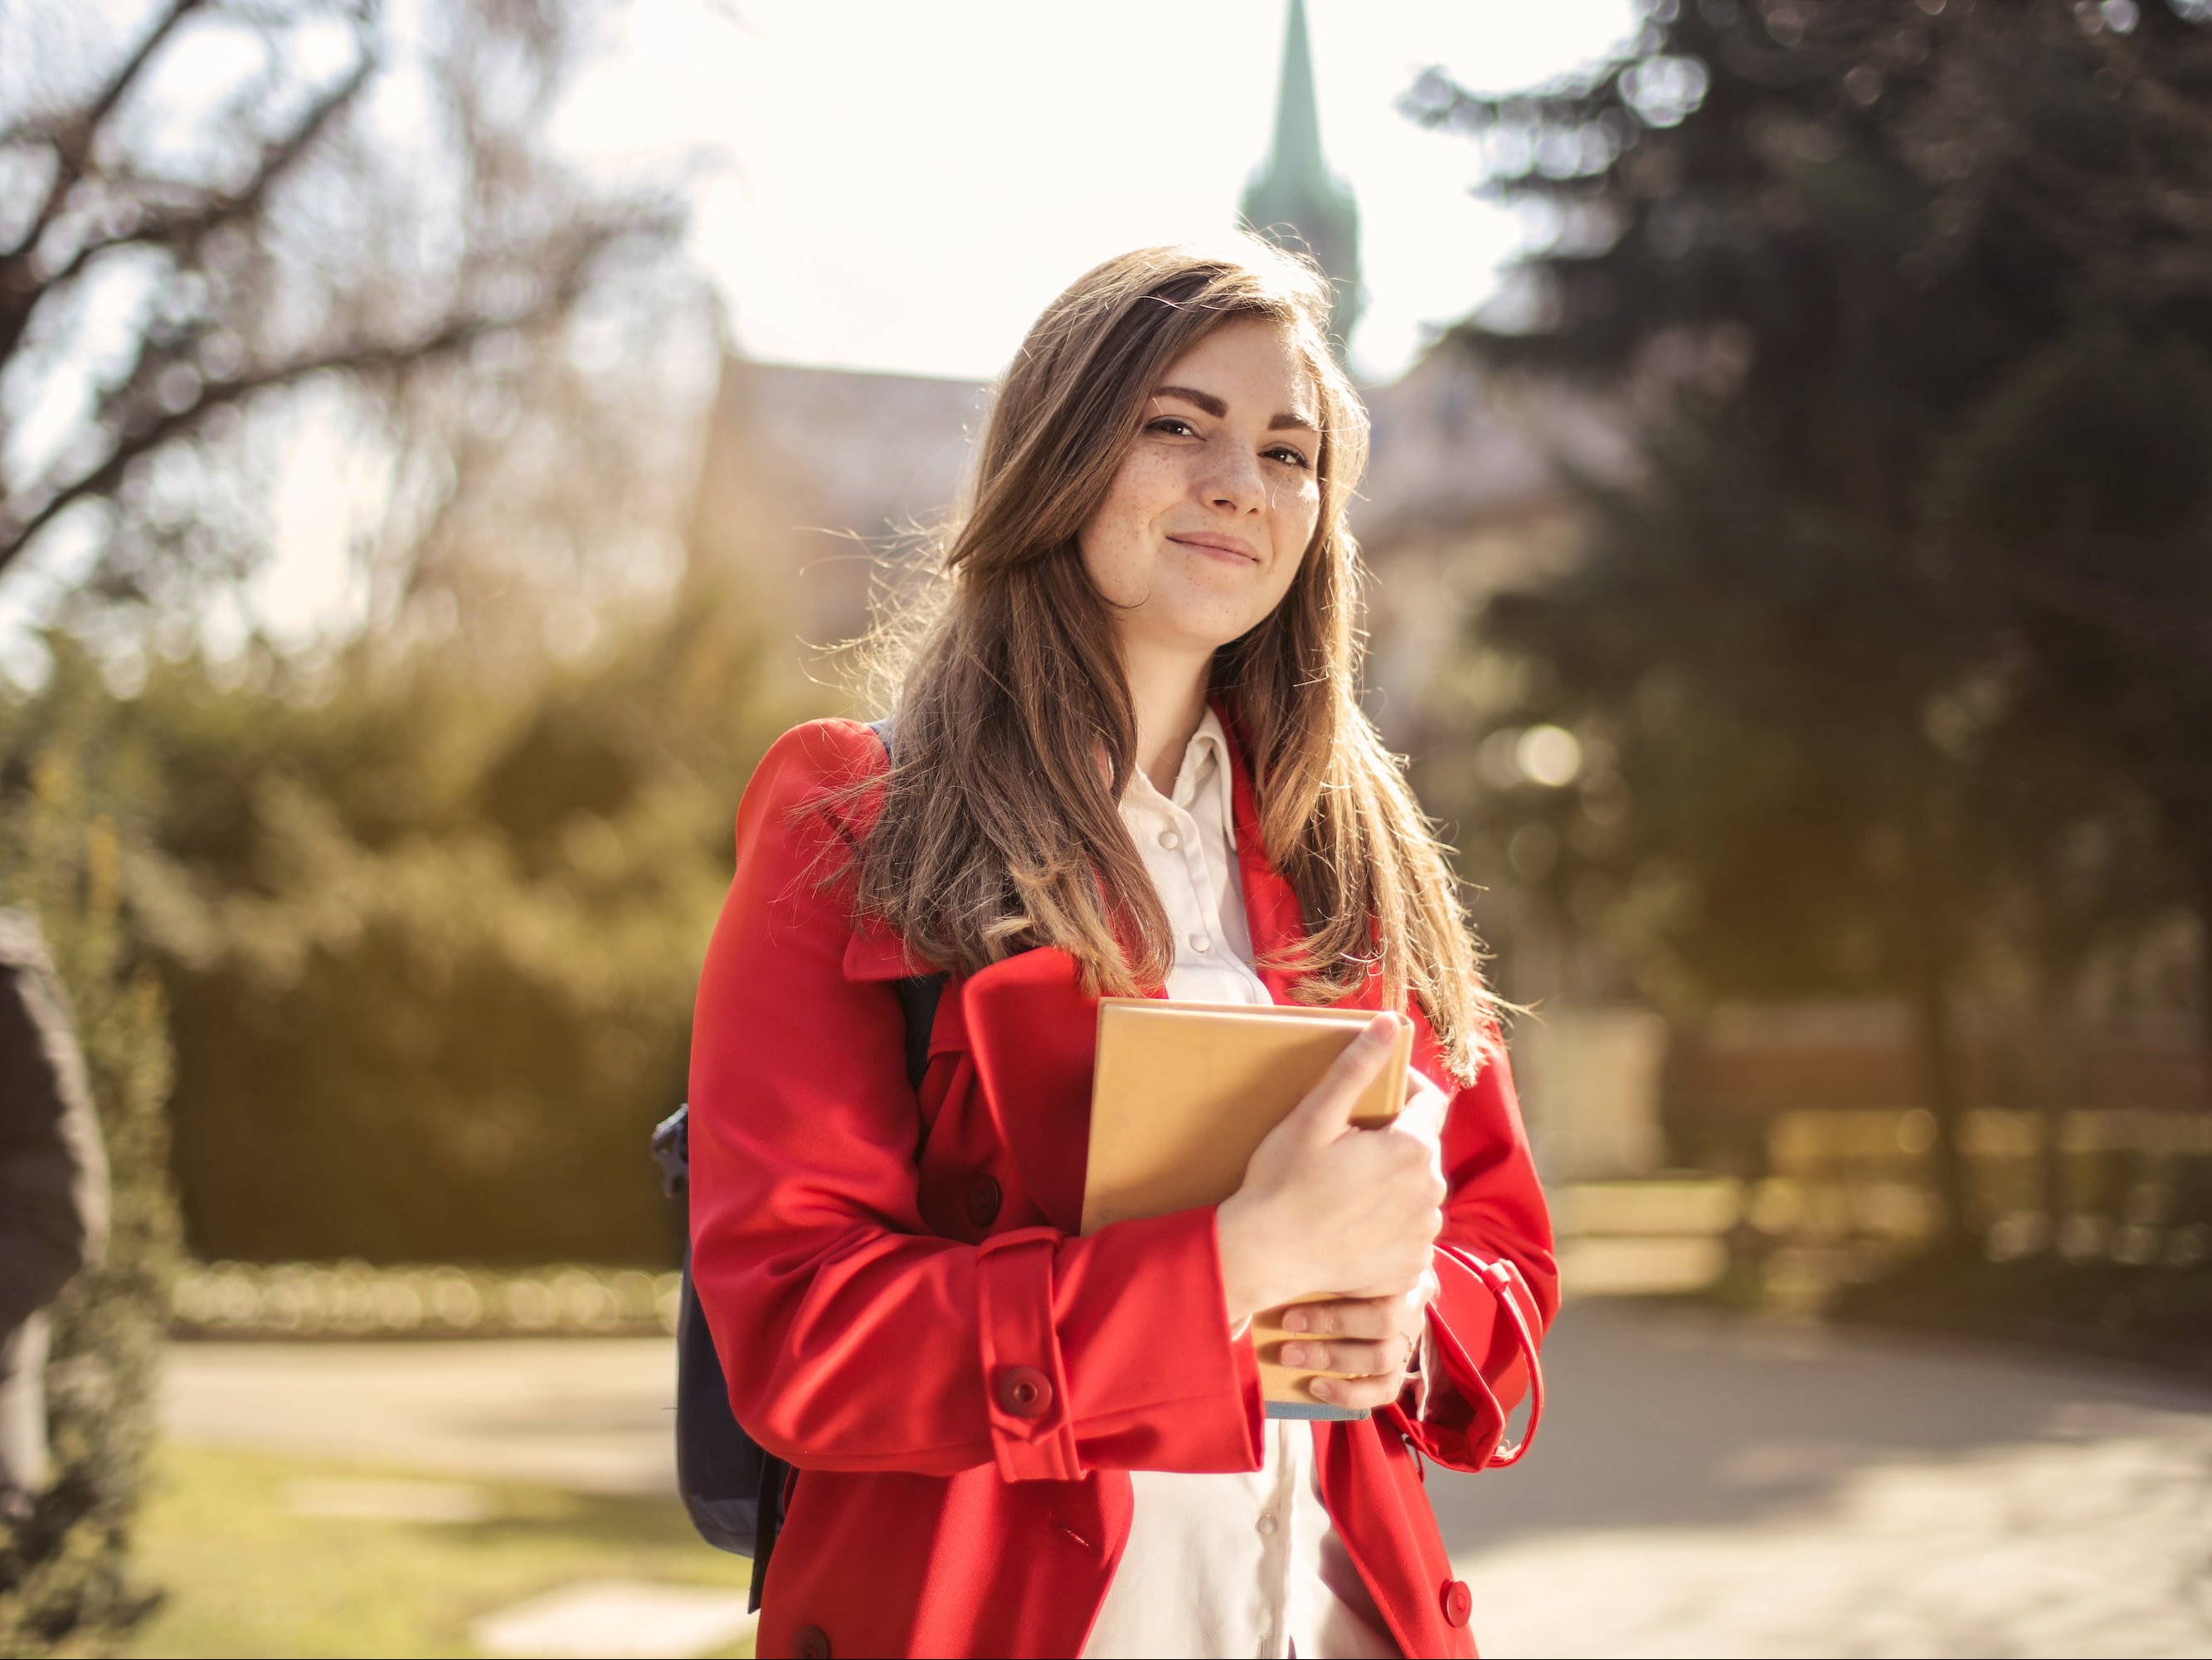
(1346, 1318)
(1379, 1313)
(1326, 1112)
(1342, 1316)
(1353, 1359)
(1379, 1390)
(1424, 1110)
(1367, 1339)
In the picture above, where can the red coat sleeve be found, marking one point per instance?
(1494, 1262)
(853, 1338)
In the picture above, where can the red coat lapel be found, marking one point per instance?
(1033, 1031)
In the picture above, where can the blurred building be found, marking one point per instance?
(811, 478)
(1467, 494)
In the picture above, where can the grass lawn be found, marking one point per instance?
(246, 1574)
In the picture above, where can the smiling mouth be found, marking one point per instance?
(1220, 547)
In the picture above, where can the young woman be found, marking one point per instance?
(1128, 760)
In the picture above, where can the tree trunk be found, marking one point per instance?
(1943, 1091)
(2204, 967)
(2057, 1085)
(1942, 1087)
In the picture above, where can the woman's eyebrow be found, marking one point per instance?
(1219, 411)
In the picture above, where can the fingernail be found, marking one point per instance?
(1323, 1389)
(1295, 1320)
(1296, 1355)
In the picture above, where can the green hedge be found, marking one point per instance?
(428, 942)
(356, 1299)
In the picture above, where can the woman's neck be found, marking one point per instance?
(1167, 691)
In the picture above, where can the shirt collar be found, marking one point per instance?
(1203, 778)
(1206, 770)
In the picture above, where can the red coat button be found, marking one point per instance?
(1024, 1391)
(1459, 1603)
(811, 1643)
(983, 1200)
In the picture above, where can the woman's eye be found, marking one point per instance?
(1289, 457)
(1173, 424)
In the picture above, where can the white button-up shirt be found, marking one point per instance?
(1234, 1564)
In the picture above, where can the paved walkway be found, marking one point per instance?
(594, 1414)
(1702, 1486)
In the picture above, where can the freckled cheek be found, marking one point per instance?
(1295, 512)
(1117, 542)
(1152, 482)
(1147, 488)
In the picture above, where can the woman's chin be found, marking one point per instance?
(1209, 611)
(1200, 627)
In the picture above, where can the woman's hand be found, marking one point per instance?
(1371, 1339)
(1326, 1206)
(1374, 1335)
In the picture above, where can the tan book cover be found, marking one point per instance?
(1183, 1094)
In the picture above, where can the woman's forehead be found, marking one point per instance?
(1249, 359)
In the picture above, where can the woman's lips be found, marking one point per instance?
(1232, 549)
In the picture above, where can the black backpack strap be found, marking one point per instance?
(918, 995)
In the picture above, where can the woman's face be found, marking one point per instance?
(1204, 524)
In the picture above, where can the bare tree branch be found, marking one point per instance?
(303, 260)
(75, 136)
(180, 226)
(136, 439)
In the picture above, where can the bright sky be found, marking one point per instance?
(906, 186)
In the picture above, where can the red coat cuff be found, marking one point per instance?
(1159, 1383)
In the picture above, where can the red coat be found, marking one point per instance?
(912, 1321)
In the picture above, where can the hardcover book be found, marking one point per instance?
(1183, 1094)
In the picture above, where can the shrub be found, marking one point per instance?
(65, 1586)
(427, 941)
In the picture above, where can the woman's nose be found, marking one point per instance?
(1235, 482)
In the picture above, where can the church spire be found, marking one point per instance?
(1294, 200)
(1298, 113)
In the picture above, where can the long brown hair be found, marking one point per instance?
(997, 828)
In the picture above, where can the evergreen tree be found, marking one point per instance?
(1813, 249)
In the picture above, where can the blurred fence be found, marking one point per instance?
(1850, 1193)
(1726, 1082)
(1842, 1220)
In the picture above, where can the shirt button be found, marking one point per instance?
(1170, 840)
(1267, 1525)
(811, 1643)
(1200, 942)
(1024, 1391)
